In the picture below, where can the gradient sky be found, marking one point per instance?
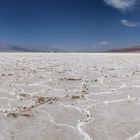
(72, 25)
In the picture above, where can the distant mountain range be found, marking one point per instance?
(4, 47)
(126, 50)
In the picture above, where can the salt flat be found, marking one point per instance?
(69, 96)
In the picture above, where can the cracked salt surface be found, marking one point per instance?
(69, 96)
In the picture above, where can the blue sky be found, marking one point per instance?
(72, 25)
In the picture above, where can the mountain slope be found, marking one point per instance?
(123, 50)
(13, 48)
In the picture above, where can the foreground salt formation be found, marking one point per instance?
(69, 96)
